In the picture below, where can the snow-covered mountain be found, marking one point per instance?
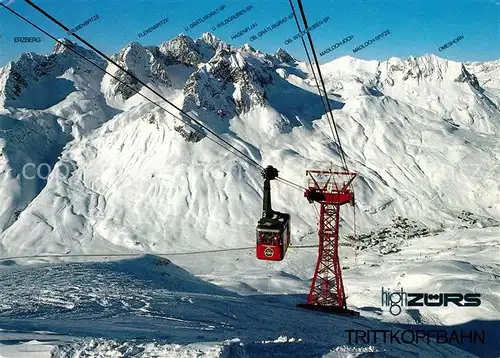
(423, 134)
(449, 89)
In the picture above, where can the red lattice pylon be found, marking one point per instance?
(331, 190)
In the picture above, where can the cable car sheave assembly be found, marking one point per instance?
(273, 229)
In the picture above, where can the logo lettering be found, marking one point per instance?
(429, 297)
(456, 298)
(451, 43)
(369, 42)
(414, 301)
(396, 300)
(27, 39)
(472, 300)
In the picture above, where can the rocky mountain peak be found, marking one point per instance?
(470, 78)
(231, 83)
(146, 63)
(211, 41)
(62, 46)
(182, 49)
(284, 56)
(22, 78)
(130, 54)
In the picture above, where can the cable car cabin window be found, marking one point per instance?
(268, 238)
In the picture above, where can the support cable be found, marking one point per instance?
(336, 134)
(186, 253)
(355, 237)
(310, 64)
(289, 183)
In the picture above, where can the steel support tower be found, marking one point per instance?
(331, 190)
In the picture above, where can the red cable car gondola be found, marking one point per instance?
(273, 229)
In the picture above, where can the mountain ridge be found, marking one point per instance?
(267, 106)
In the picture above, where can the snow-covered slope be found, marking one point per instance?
(148, 307)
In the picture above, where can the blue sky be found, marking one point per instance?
(417, 27)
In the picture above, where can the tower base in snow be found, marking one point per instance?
(329, 309)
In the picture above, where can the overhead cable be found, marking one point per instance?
(331, 122)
